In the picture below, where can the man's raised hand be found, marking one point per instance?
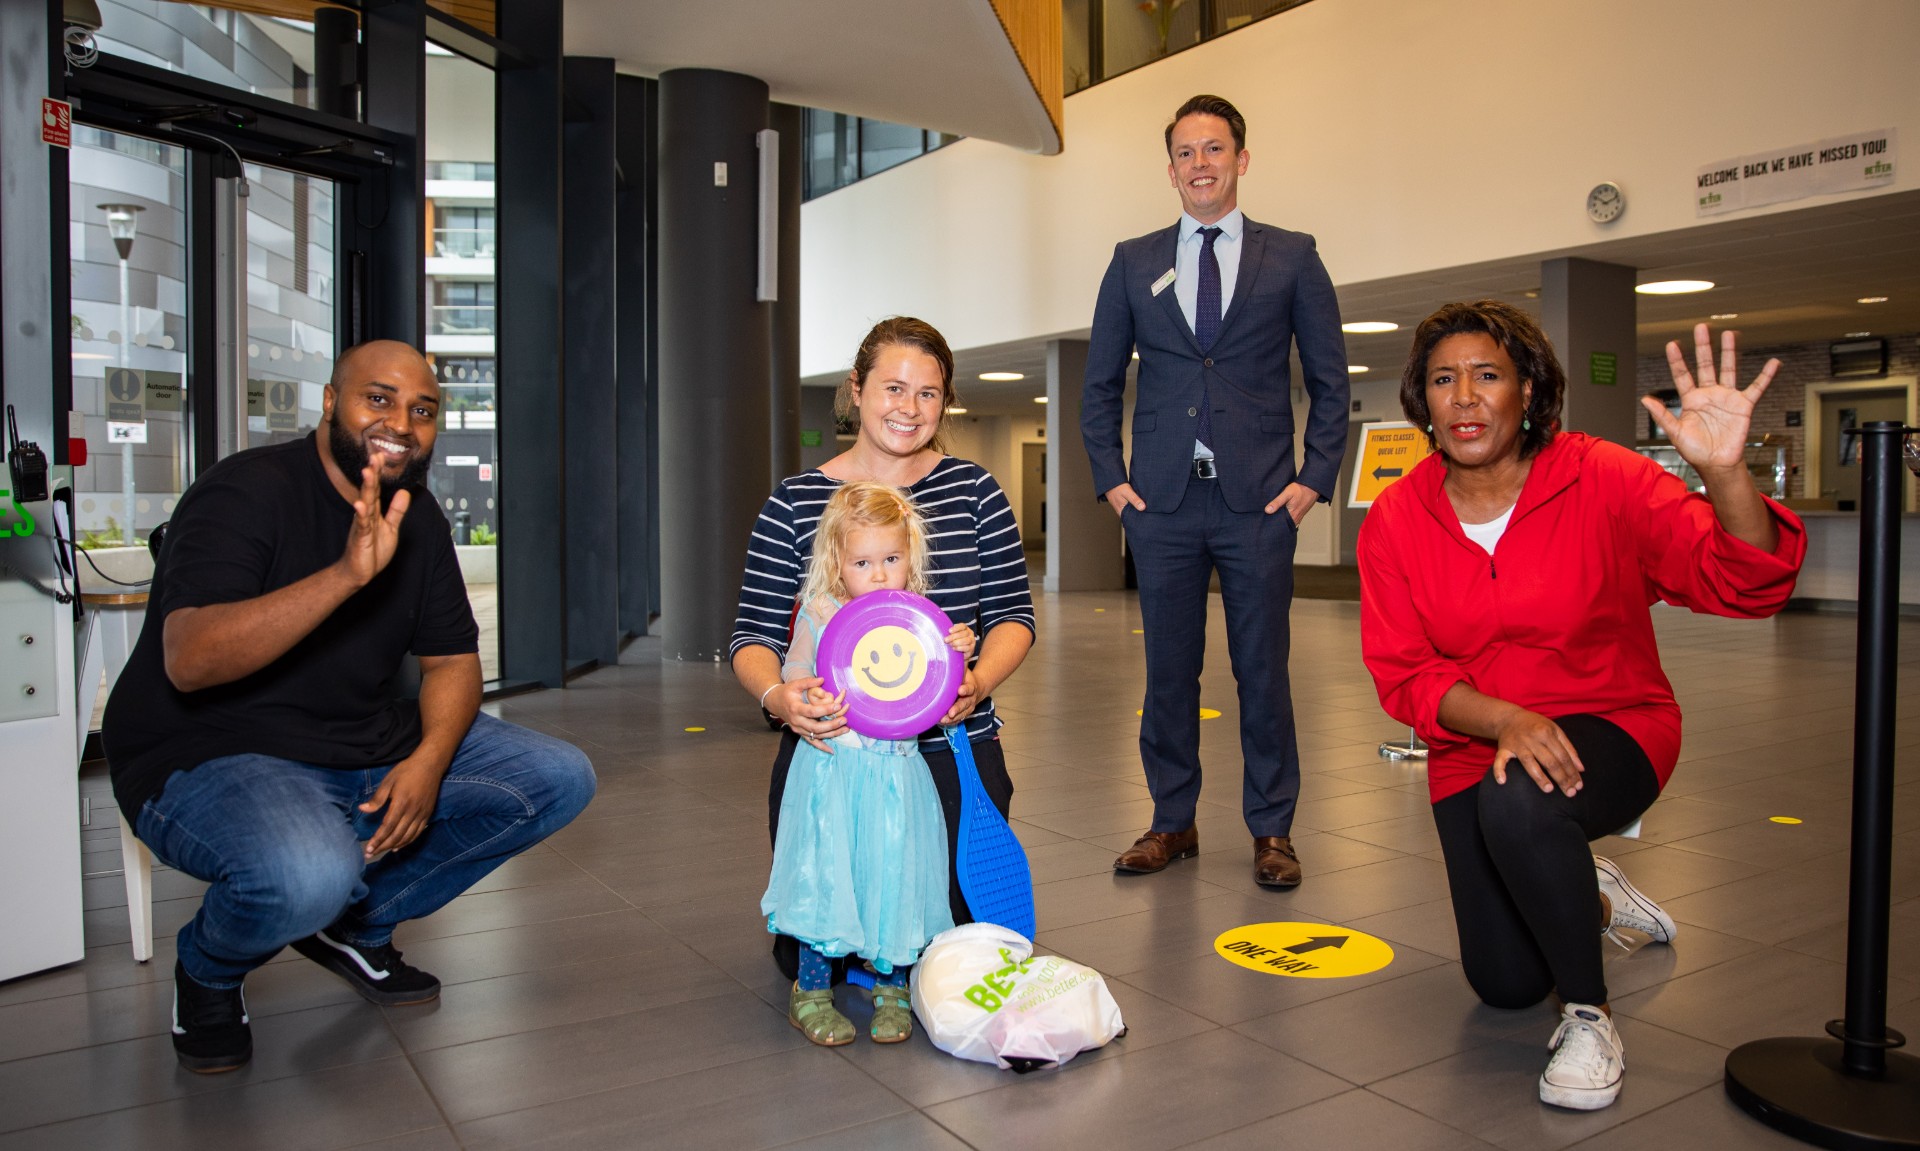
(374, 537)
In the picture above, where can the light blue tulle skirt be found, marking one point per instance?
(860, 862)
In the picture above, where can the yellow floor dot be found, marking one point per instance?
(1138, 631)
(1099, 610)
(1205, 713)
(1782, 819)
(695, 729)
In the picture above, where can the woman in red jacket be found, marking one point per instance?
(1505, 592)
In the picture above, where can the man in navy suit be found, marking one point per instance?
(1213, 304)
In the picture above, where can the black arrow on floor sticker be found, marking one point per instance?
(1317, 942)
(1383, 473)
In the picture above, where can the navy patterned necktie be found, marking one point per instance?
(1206, 322)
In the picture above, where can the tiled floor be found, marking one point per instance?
(612, 988)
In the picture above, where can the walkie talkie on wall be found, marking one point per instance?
(26, 462)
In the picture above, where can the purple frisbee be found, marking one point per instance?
(888, 651)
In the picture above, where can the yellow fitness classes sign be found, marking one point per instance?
(1304, 950)
(1388, 451)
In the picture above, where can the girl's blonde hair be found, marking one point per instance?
(863, 504)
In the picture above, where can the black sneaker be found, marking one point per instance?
(377, 973)
(210, 1032)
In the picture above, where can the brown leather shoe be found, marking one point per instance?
(1154, 850)
(1274, 861)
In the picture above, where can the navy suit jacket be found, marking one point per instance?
(1282, 296)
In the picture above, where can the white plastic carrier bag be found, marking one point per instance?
(983, 995)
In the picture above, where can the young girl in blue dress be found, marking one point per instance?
(860, 860)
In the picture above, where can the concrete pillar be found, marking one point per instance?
(714, 353)
(636, 126)
(1587, 309)
(336, 62)
(1083, 534)
(530, 318)
(394, 38)
(590, 358)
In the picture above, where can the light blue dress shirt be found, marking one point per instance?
(1186, 272)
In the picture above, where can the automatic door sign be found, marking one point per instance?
(282, 398)
(1304, 950)
(888, 651)
(126, 396)
(1387, 452)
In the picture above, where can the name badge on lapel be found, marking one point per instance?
(1160, 285)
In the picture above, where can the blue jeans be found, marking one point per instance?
(281, 842)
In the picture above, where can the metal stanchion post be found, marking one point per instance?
(1410, 748)
(1851, 1089)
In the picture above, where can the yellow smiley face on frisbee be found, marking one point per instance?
(889, 663)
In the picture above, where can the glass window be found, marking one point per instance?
(1076, 61)
(883, 145)
(1141, 32)
(460, 331)
(271, 56)
(463, 231)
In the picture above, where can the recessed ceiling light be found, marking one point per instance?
(956, 411)
(91, 356)
(1871, 300)
(1673, 287)
(1362, 327)
(1724, 316)
(1039, 399)
(1356, 369)
(1858, 335)
(1002, 377)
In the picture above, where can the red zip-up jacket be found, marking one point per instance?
(1556, 619)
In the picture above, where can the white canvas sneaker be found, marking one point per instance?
(1630, 908)
(1588, 1061)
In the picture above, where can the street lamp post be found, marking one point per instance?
(122, 224)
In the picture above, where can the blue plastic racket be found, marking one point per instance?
(991, 863)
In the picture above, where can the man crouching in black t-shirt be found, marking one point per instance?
(256, 737)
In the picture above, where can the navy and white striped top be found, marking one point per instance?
(978, 576)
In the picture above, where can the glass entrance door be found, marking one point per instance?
(129, 324)
(290, 315)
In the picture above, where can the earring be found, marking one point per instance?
(1526, 425)
(1429, 429)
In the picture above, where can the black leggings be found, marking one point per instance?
(987, 757)
(1525, 899)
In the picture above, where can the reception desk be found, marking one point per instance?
(1831, 576)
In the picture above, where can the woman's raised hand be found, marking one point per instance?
(1711, 430)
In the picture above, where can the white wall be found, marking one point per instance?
(1406, 134)
(459, 110)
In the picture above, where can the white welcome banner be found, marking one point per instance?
(1851, 163)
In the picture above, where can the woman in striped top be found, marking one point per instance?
(898, 392)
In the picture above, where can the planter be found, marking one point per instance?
(478, 563)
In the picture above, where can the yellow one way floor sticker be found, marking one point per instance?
(1304, 950)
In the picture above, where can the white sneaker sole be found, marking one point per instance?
(1638, 904)
(1579, 1098)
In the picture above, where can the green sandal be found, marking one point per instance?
(814, 1014)
(892, 1015)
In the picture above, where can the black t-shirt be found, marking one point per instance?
(257, 522)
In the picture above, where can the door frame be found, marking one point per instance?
(1816, 443)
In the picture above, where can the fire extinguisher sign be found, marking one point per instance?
(56, 122)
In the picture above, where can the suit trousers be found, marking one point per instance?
(1175, 555)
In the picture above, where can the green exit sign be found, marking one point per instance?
(1603, 368)
(22, 529)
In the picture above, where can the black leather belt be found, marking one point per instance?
(1204, 470)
